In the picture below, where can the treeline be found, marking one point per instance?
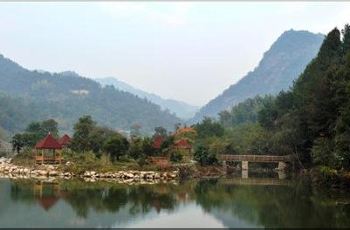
(91, 139)
(310, 121)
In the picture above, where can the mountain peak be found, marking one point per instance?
(280, 66)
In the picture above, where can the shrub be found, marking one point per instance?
(176, 156)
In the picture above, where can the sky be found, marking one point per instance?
(184, 50)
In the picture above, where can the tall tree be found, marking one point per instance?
(82, 132)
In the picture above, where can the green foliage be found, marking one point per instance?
(244, 112)
(136, 148)
(33, 133)
(249, 138)
(32, 95)
(312, 119)
(147, 147)
(160, 131)
(176, 156)
(17, 142)
(323, 152)
(208, 127)
(203, 156)
(82, 131)
(116, 145)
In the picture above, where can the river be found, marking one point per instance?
(231, 202)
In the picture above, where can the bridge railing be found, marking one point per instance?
(255, 158)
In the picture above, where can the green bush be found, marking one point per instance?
(204, 157)
(176, 156)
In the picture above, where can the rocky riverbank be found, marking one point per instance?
(9, 170)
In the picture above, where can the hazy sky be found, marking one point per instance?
(189, 51)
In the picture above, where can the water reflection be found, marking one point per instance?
(232, 202)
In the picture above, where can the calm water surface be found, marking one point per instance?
(259, 202)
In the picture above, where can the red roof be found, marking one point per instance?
(64, 140)
(48, 202)
(48, 143)
(183, 143)
(157, 142)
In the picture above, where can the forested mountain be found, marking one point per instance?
(181, 109)
(33, 95)
(279, 67)
(312, 120)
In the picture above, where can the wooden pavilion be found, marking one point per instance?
(46, 151)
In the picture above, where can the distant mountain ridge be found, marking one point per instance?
(32, 95)
(181, 109)
(279, 67)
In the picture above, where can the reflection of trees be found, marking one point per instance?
(272, 206)
(143, 198)
(99, 197)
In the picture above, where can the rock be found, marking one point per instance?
(50, 167)
(156, 176)
(53, 173)
(129, 175)
(42, 173)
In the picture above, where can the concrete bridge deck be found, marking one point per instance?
(245, 159)
(256, 158)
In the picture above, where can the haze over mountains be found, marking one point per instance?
(27, 96)
(279, 67)
(35, 95)
(181, 109)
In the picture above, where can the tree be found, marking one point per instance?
(147, 147)
(160, 131)
(346, 38)
(136, 148)
(17, 143)
(82, 131)
(49, 126)
(208, 127)
(204, 157)
(97, 137)
(116, 146)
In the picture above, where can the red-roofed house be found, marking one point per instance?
(183, 144)
(46, 150)
(64, 140)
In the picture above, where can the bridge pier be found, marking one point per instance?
(281, 166)
(244, 165)
(245, 168)
(224, 166)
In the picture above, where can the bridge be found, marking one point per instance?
(245, 159)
